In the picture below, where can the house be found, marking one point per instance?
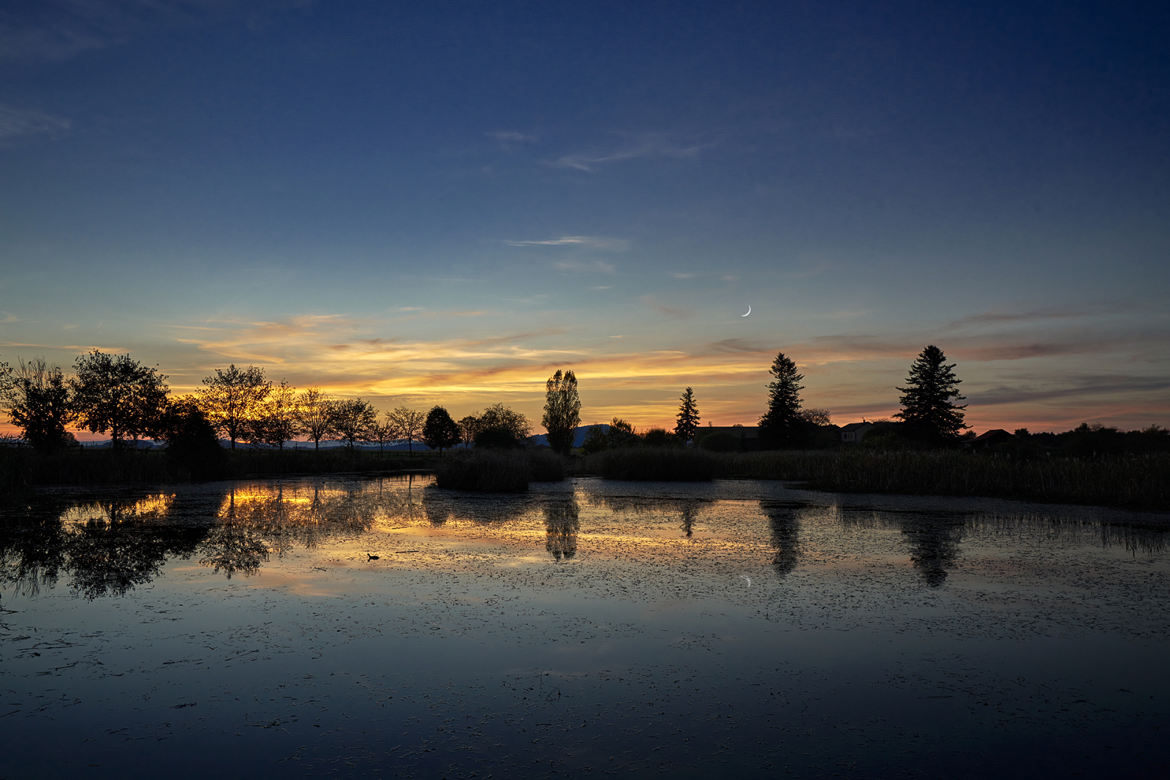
(991, 438)
(855, 432)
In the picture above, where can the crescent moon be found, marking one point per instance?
(749, 311)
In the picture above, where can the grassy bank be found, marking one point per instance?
(1131, 481)
(1135, 481)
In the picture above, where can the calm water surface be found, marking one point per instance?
(628, 628)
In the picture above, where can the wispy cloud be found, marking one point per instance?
(674, 312)
(638, 147)
(586, 266)
(1070, 387)
(589, 242)
(63, 29)
(16, 122)
(512, 138)
(681, 275)
(1038, 315)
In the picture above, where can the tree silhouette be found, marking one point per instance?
(500, 426)
(562, 410)
(314, 411)
(231, 398)
(36, 400)
(468, 427)
(408, 424)
(928, 407)
(440, 431)
(118, 394)
(276, 417)
(782, 424)
(353, 420)
(192, 448)
(688, 417)
(382, 432)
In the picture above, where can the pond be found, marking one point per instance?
(388, 627)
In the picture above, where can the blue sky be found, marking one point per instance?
(445, 202)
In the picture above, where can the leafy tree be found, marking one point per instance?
(688, 417)
(353, 420)
(562, 410)
(468, 427)
(36, 400)
(192, 446)
(501, 427)
(314, 413)
(118, 394)
(816, 416)
(231, 399)
(621, 433)
(276, 417)
(928, 400)
(408, 424)
(781, 424)
(440, 431)
(658, 437)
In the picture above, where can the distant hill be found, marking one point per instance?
(580, 433)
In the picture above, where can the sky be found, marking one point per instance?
(443, 203)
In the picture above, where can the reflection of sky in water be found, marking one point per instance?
(739, 627)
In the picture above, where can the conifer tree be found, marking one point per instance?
(928, 400)
(782, 424)
(688, 417)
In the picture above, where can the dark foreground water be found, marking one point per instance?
(588, 627)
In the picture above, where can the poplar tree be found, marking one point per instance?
(562, 410)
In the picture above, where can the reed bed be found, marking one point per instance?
(487, 471)
(673, 464)
(1135, 481)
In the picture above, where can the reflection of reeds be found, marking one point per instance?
(1135, 481)
(495, 471)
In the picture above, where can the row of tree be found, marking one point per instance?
(116, 394)
(121, 397)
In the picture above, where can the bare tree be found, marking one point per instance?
(231, 398)
(382, 432)
(408, 424)
(314, 415)
(468, 427)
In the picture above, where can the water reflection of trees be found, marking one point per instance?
(561, 524)
(109, 544)
(784, 520)
(440, 506)
(687, 508)
(106, 545)
(933, 537)
(934, 544)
